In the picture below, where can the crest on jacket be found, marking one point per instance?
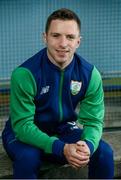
(75, 87)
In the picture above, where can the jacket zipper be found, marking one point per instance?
(60, 95)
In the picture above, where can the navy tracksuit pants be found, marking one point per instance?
(27, 160)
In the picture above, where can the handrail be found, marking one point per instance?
(110, 74)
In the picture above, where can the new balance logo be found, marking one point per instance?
(44, 90)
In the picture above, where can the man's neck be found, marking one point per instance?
(60, 65)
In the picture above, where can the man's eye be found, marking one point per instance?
(70, 37)
(55, 35)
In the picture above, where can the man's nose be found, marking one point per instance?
(63, 41)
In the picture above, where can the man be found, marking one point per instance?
(45, 93)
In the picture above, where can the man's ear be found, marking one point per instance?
(44, 37)
(78, 42)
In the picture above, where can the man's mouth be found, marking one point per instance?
(62, 51)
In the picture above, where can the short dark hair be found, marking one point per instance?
(62, 14)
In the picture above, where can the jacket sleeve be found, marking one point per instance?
(91, 112)
(22, 111)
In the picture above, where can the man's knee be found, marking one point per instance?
(29, 158)
(103, 152)
(105, 149)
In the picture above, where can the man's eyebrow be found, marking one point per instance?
(52, 33)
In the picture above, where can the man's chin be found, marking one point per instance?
(62, 61)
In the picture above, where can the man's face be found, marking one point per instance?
(62, 39)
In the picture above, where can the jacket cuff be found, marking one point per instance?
(57, 147)
(91, 147)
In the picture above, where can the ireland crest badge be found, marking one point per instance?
(75, 87)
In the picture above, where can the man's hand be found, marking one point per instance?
(84, 151)
(77, 154)
(82, 147)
